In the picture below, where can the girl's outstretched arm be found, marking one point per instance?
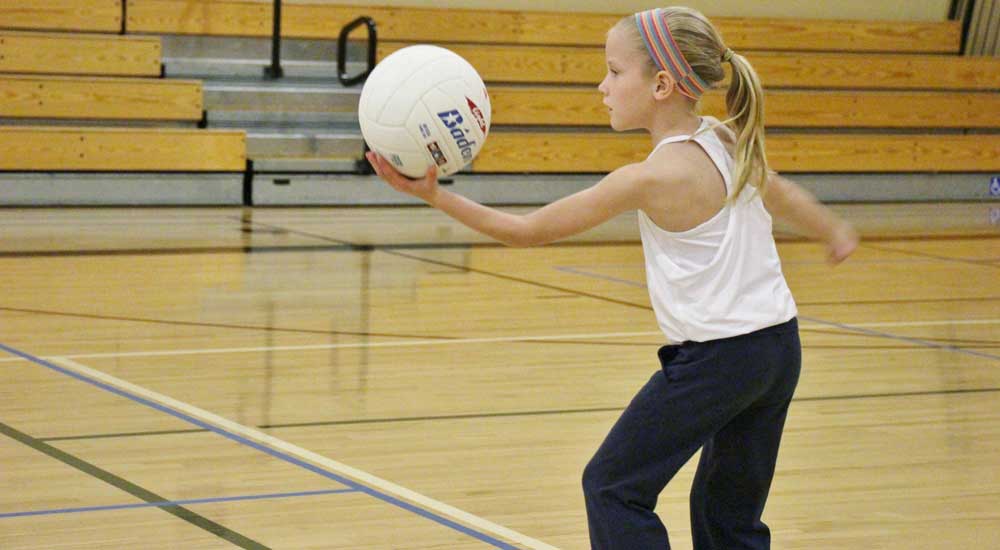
(793, 204)
(618, 192)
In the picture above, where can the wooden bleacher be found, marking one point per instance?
(63, 15)
(79, 54)
(568, 65)
(542, 69)
(316, 20)
(829, 75)
(581, 106)
(575, 152)
(64, 77)
(56, 148)
(118, 99)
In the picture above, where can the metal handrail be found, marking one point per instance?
(342, 50)
(275, 70)
(361, 166)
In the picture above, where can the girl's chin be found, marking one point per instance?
(619, 126)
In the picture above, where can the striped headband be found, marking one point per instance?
(665, 53)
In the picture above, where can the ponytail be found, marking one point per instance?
(745, 105)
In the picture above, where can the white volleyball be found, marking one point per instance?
(425, 105)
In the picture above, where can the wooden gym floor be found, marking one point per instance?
(384, 379)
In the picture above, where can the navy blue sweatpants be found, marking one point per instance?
(728, 397)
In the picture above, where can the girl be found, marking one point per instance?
(704, 200)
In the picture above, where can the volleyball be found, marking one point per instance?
(425, 105)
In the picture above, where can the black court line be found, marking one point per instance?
(936, 339)
(270, 451)
(600, 409)
(425, 336)
(208, 500)
(866, 240)
(166, 251)
(345, 246)
(898, 394)
(560, 289)
(515, 414)
(462, 268)
(123, 484)
(788, 236)
(520, 280)
(217, 325)
(902, 301)
(433, 337)
(972, 344)
(966, 261)
(122, 435)
(266, 249)
(646, 307)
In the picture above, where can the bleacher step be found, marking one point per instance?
(220, 68)
(283, 105)
(354, 189)
(245, 47)
(281, 96)
(291, 165)
(279, 143)
(305, 121)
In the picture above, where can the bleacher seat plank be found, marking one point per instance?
(579, 106)
(511, 152)
(318, 20)
(213, 18)
(100, 98)
(79, 54)
(529, 64)
(566, 65)
(33, 148)
(841, 36)
(876, 71)
(66, 15)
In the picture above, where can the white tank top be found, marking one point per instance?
(722, 278)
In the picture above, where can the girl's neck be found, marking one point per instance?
(681, 124)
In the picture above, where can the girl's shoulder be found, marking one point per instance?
(675, 163)
(687, 183)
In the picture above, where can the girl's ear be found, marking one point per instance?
(664, 85)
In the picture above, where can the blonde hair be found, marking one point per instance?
(702, 47)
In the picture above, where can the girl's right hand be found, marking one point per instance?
(425, 188)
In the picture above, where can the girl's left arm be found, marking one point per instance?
(616, 193)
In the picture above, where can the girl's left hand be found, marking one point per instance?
(425, 188)
(844, 242)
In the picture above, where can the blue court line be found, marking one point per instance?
(861, 330)
(183, 502)
(267, 450)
